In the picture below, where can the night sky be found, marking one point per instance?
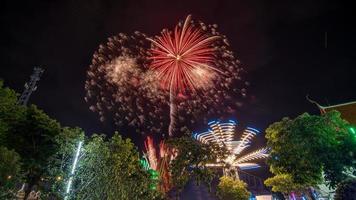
(281, 45)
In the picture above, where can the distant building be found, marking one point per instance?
(347, 110)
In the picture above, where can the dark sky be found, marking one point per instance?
(281, 44)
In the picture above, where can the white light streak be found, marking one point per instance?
(76, 158)
(261, 153)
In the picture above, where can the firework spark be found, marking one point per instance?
(151, 153)
(194, 62)
(185, 58)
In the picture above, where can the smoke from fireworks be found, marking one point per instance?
(189, 72)
(119, 84)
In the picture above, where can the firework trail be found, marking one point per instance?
(194, 65)
(120, 85)
(151, 153)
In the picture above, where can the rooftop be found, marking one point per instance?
(347, 110)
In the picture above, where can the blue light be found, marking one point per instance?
(211, 122)
(195, 135)
(253, 129)
(250, 167)
(233, 121)
(252, 197)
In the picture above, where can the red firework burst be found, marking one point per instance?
(184, 59)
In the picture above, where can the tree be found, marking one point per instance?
(231, 189)
(60, 163)
(308, 145)
(346, 190)
(29, 132)
(283, 183)
(110, 169)
(190, 160)
(10, 112)
(10, 164)
(33, 138)
(10, 172)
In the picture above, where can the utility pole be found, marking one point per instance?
(30, 86)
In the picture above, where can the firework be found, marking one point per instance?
(151, 153)
(159, 161)
(189, 72)
(222, 134)
(185, 59)
(194, 64)
(119, 84)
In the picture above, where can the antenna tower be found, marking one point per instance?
(30, 86)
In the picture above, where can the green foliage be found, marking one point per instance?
(10, 112)
(29, 132)
(34, 139)
(111, 170)
(60, 163)
(108, 169)
(283, 183)
(346, 190)
(230, 189)
(191, 159)
(288, 154)
(308, 145)
(10, 172)
(204, 175)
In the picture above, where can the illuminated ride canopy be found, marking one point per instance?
(222, 134)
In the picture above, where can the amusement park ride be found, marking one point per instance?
(223, 134)
(156, 161)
